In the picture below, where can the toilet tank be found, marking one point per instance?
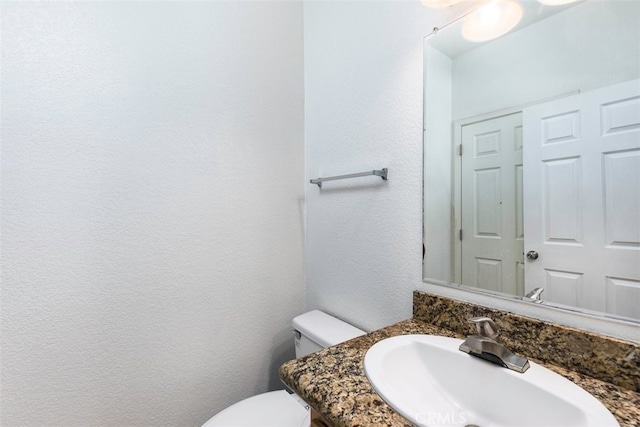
(316, 330)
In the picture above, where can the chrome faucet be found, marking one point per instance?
(534, 295)
(485, 346)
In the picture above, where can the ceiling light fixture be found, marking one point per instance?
(492, 20)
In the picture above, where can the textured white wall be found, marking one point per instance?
(363, 110)
(152, 178)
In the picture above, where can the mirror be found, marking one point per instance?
(532, 158)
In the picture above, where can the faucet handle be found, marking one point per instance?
(486, 327)
(535, 294)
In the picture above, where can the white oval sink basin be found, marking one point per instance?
(430, 382)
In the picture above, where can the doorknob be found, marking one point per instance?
(532, 255)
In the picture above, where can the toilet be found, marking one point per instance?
(313, 331)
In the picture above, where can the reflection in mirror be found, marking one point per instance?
(532, 158)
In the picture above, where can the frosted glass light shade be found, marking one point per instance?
(492, 20)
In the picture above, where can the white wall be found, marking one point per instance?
(152, 178)
(438, 206)
(363, 107)
(363, 111)
(598, 48)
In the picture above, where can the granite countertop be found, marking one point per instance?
(333, 382)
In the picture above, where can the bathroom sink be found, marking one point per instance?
(430, 382)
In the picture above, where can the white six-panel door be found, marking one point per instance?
(491, 202)
(584, 220)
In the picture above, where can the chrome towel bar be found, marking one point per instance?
(382, 173)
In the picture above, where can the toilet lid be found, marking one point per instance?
(273, 409)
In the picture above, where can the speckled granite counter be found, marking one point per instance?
(333, 381)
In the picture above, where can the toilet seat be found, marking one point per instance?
(272, 409)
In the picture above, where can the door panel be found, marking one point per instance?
(621, 179)
(584, 221)
(562, 208)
